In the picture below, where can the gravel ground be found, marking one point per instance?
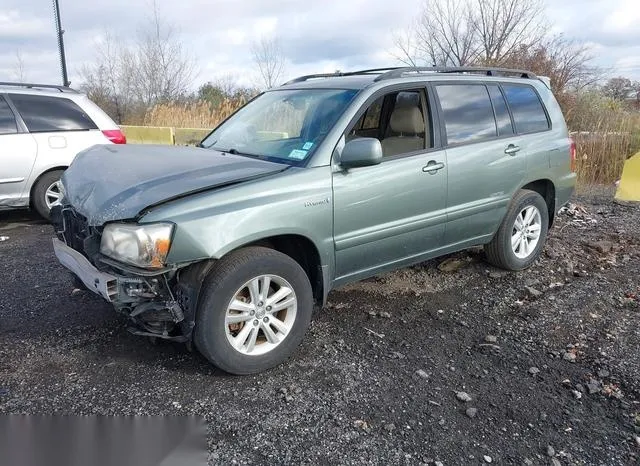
(466, 366)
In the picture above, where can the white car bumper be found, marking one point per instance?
(101, 283)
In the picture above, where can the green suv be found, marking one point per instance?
(326, 180)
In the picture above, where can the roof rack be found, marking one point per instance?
(488, 71)
(339, 74)
(398, 72)
(40, 86)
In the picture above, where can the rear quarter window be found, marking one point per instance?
(527, 110)
(48, 114)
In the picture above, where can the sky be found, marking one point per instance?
(316, 35)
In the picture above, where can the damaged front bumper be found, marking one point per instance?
(147, 301)
(101, 283)
(159, 303)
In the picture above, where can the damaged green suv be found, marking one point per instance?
(326, 180)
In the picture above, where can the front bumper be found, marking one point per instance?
(101, 283)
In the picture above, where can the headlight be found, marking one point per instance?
(140, 245)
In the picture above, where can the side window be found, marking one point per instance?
(528, 112)
(44, 114)
(467, 112)
(371, 118)
(503, 119)
(7, 119)
(398, 120)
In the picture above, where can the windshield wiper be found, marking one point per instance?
(235, 151)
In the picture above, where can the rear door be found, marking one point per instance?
(485, 164)
(18, 150)
(532, 124)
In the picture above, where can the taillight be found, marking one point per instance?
(116, 136)
(573, 154)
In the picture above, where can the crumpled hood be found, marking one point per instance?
(116, 182)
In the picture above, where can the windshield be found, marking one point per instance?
(284, 125)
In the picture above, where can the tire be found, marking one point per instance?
(500, 251)
(230, 280)
(39, 193)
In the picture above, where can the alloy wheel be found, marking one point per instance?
(53, 195)
(526, 232)
(260, 315)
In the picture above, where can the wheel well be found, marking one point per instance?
(35, 182)
(304, 252)
(548, 191)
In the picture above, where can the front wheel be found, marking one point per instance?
(254, 309)
(522, 233)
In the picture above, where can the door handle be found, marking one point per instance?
(512, 150)
(432, 167)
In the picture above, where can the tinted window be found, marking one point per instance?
(7, 120)
(468, 115)
(41, 113)
(503, 119)
(528, 112)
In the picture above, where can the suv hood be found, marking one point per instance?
(117, 182)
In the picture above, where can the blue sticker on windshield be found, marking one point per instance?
(307, 145)
(297, 154)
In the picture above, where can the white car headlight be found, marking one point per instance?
(140, 245)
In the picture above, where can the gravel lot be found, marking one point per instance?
(469, 366)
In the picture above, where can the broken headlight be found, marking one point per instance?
(144, 246)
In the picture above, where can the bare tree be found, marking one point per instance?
(19, 70)
(443, 35)
(406, 47)
(109, 80)
(127, 78)
(504, 25)
(464, 32)
(566, 62)
(269, 58)
(164, 71)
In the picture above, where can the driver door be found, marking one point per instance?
(392, 214)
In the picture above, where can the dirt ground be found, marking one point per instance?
(422, 366)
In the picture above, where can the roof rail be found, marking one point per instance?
(339, 74)
(489, 71)
(40, 86)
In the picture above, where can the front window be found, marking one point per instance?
(281, 125)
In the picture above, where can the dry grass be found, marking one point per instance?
(606, 135)
(198, 114)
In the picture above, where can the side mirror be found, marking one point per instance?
(361, 152)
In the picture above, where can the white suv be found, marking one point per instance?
(42, 128)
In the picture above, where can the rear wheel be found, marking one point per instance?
(522, 234)
(254, 309)
(47, 192)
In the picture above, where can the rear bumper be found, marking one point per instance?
(101, 283)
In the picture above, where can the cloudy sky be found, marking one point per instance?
(317, 35)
